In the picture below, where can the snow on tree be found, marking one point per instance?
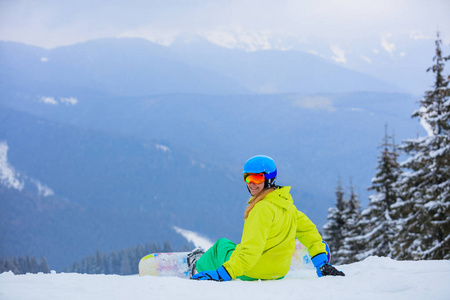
(423, 208)
(332, 230)
(378, 228)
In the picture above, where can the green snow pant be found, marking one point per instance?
(216, 256)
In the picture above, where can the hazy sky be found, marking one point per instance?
(51, 23)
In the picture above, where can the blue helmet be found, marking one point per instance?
(262, 164)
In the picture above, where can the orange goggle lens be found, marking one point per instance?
(253, 177)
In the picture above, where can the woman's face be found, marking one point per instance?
(255, 188)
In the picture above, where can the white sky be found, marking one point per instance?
(52, 23)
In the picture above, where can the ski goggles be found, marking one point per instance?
(256, 178)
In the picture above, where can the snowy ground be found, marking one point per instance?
(374, 278)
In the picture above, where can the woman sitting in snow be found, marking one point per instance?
(268, 240)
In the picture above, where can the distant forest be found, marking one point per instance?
(24, 265)
(123, 262)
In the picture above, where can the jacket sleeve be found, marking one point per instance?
(308, 235)
(254, 236)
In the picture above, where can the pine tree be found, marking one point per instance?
(350, 230)
(423, 212)
(34, 267)
(332, 230)
(167, 247)
(2, 265)
(43, 266)
(378, 228)
(14, 266)
(23, 264)
(114, 263)
(99, 267)
(125, 264)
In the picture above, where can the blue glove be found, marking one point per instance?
(323, 267)
(220, 274)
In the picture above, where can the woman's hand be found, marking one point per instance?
(323, 268)
(220, 274)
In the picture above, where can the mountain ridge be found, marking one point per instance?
(136, 67)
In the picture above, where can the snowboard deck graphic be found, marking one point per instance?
(175, 263)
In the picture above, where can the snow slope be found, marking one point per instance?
(374, 278)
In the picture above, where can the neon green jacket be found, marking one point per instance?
(268, 238)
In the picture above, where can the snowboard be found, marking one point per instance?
(175, 263)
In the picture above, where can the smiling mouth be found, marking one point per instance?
(254, 188)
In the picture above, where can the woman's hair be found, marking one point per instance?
(255, 199)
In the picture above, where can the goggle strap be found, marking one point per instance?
(271, 175)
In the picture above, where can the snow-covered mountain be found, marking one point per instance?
(400, 59)
(372, 279)
(136, 67)
(221, 63)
